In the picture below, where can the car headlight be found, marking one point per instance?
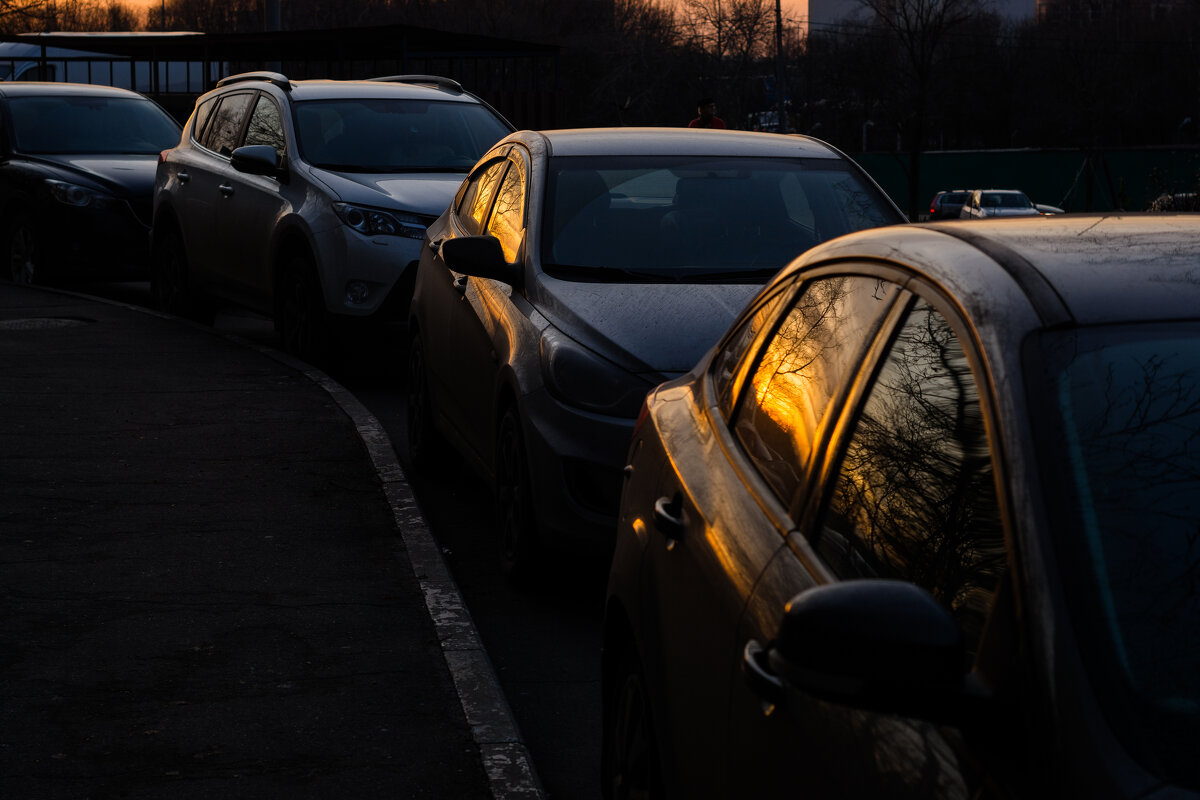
(581, 378)
(376, 222)
(72, 194)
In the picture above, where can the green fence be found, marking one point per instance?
(1074, 180)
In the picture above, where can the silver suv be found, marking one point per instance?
(307, 201)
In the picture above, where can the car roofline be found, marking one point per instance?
(1047, 303)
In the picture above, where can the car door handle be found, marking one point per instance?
(764, 683)
(226, 189)
(668, 516)
(183, 177)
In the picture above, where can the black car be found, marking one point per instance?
(77, 169)
(923, 525)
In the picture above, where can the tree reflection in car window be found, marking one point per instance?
(266, 126)
(915, 498)
(226, 124)
(815, 348)
(477, 200)
(1130, 417)
(726, 362)
(508, 219)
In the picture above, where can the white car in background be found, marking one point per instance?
(987, 203)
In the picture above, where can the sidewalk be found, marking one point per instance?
(215, 582)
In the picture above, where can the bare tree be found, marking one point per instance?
(731, 38)
(920, 29)
(89, 15)
(20, 16)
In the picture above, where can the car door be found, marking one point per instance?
(496, 316)
(910, 493)
(198, 175)
(455, 338)
(248, 207)
(732, 506)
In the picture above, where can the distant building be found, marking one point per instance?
(824, 13)
(1070, 13)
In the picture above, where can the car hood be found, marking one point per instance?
(127, 175)
(419, 192)
(657, 330)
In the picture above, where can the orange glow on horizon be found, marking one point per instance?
(794, 8)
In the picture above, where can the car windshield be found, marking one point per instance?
(395, 134)
(1006, 200)
(72, 124)
(697, 218)
(1127, 408)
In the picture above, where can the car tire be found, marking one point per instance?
(630, 762)
(25, 264)
(427, 450)
(302, 320)
(519, 544)
(170, 280)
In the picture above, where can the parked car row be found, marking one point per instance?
(894, 510)
(986, 203)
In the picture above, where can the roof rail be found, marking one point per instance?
(448, 84)
(273, 78)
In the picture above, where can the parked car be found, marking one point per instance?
(76, 177)
(947, 205)
(987, 203)
(575, 270)
(923, 525)
(307, 200)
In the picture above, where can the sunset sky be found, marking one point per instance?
(794, 7)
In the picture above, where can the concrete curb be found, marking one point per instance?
(505, 757)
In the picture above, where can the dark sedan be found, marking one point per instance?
(77, 167)
(923, 525)
(947, 205)
(577, 269)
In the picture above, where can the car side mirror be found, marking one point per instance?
(256, 159)
(480, 257)
(878, 645)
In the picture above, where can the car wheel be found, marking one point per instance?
(302, 320)
(630, 759)
(24, 252)
(519, 545)
(426, 448)
(170, 284)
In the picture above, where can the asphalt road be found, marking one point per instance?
(544, 640)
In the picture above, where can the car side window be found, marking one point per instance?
(915, 498)
(266, 125)
(508, 219)
(727, 361)
(225, 127)
(814, 351)
(203, 114)
(477, 200)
